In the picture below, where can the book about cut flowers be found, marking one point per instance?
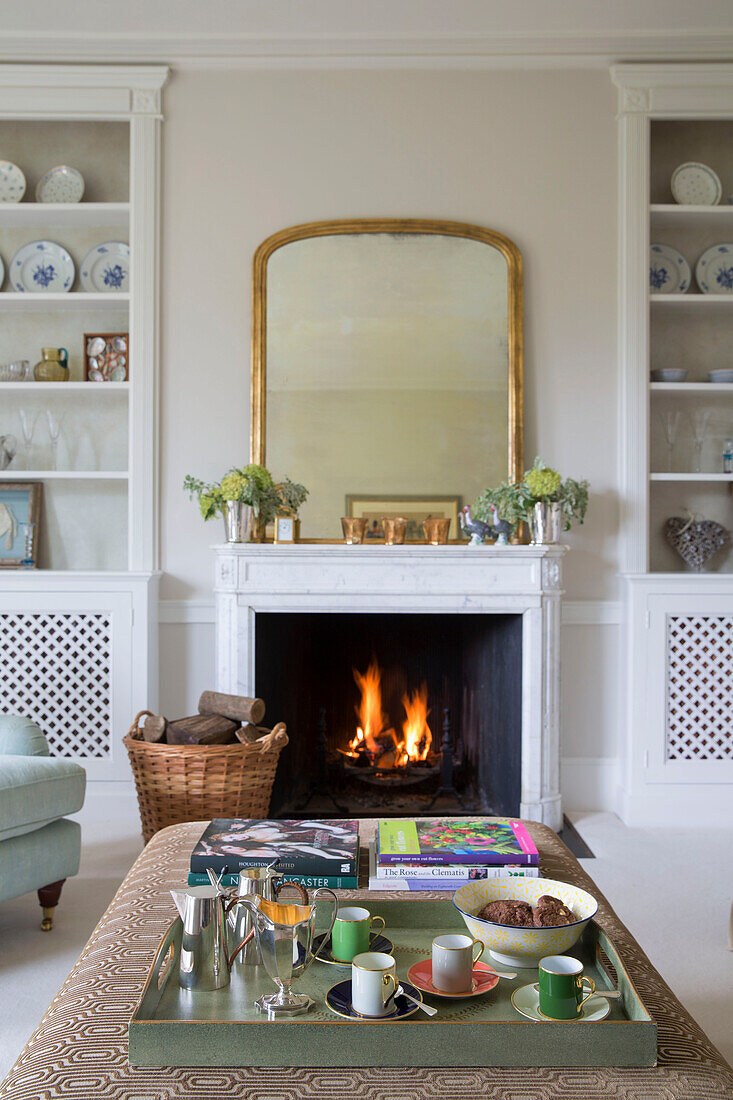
(314, 848)
(453, 840)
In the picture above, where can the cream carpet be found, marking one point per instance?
(673, 891)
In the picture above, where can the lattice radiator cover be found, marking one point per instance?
(56, 667)
(699, 687)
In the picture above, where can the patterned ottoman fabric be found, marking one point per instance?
(80, 1048)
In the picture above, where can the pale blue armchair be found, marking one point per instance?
(39, 847)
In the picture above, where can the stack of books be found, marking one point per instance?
(315, 853)
(443, 854)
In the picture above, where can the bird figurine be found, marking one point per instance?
(476, 528)
(502, 528)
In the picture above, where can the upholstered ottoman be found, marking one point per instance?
(39, 847)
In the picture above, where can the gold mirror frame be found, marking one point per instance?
(417, 226)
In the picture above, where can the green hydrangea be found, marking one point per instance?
(543, 483)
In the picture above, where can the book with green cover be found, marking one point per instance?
(313, 882)
(451, 841)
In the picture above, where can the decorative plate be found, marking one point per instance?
(669, 271)
(12, 182)
(42, 266)
(60, 184)
(714, 270)
(106, 269)
(338, 1000)
(694, 184)
(2, 271)
(526, 1000)
(377, 942)
(484, 980)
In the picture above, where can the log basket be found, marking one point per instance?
(177, 783)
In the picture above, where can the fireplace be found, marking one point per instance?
(478, 627)
(322, 674)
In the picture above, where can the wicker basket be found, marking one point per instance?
(196, 782)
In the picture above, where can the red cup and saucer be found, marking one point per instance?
(483, 980)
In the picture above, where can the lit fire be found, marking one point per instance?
(374, 735)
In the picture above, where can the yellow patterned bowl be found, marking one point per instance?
(523, 946)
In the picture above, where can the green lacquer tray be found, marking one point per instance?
(173, 1027)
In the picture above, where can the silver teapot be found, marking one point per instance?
(204, 962)
(254, 882)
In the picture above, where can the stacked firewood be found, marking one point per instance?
(221, 720)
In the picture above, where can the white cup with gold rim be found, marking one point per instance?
(373, 983)
(454, 957)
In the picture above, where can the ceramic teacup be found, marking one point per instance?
(454, 957)
(351, 931)
(561, 987)
(373, 983)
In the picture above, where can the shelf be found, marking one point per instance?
(65, 387)
(682, 387)
(692, 477)
(64, 213)
(692, 299)
(64, 475)
(75, 299)
(671, 212)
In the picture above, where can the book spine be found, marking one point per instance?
(333, 882)
(418, 884)
(464, 873)
(289, 868)
(470, 859)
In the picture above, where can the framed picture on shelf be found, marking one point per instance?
(414, 509)
(106, 356)
(20, 513)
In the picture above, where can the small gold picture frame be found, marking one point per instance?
(286, 529)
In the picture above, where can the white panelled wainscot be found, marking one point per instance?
(452, 580)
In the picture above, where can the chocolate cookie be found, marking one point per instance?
(550, 912)
(518, 913)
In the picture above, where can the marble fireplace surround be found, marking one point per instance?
(326, 577)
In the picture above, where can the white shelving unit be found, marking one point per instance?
(678, 648)
(88, 615)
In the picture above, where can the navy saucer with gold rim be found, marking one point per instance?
(338, 1000)
(377, 942)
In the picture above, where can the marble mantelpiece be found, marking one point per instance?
(326, 577)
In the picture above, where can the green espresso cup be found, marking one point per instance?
(561, 987)
(351, 931)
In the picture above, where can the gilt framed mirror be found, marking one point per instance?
(387, 367)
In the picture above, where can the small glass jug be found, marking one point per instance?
(53, 366)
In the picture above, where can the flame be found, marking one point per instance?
(416, 734)
(373, 733)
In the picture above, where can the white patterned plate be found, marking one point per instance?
(694, 184)
(12, 182)
(669, 271)
(2, 272)
(106, 269)
(42, 266)
(526, 1000)
(714, 270)
(60, 184)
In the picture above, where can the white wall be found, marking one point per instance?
(532, 154)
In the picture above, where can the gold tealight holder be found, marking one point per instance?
(436, 530)
(395, 530)
(354, 529)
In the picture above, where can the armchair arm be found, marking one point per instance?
(21, 737)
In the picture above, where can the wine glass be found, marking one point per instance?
(54, 430)
(28, 421)
(670, 421)
(699, 420)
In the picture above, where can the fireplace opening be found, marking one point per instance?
(392, 714)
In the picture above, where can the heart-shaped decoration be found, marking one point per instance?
(695, 540)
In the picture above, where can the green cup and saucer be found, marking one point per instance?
(377, 942)
(526, 1000)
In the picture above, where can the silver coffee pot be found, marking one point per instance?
(204, 961)
(254, 882)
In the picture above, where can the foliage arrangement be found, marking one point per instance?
(514, 500)
(252, 485)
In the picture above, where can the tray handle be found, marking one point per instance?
(165, 959)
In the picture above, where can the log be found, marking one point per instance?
(154, 728)
(202, 729)
(238, 707)
(248, 733)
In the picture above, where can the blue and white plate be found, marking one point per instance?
(2, 272)
(338, 1000)
(60, 184)
(12, 182)
(714, 270)
(377, 942)
(106, 269)
(669, 271)
(42, 267)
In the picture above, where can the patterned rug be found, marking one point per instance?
(79, 1050)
